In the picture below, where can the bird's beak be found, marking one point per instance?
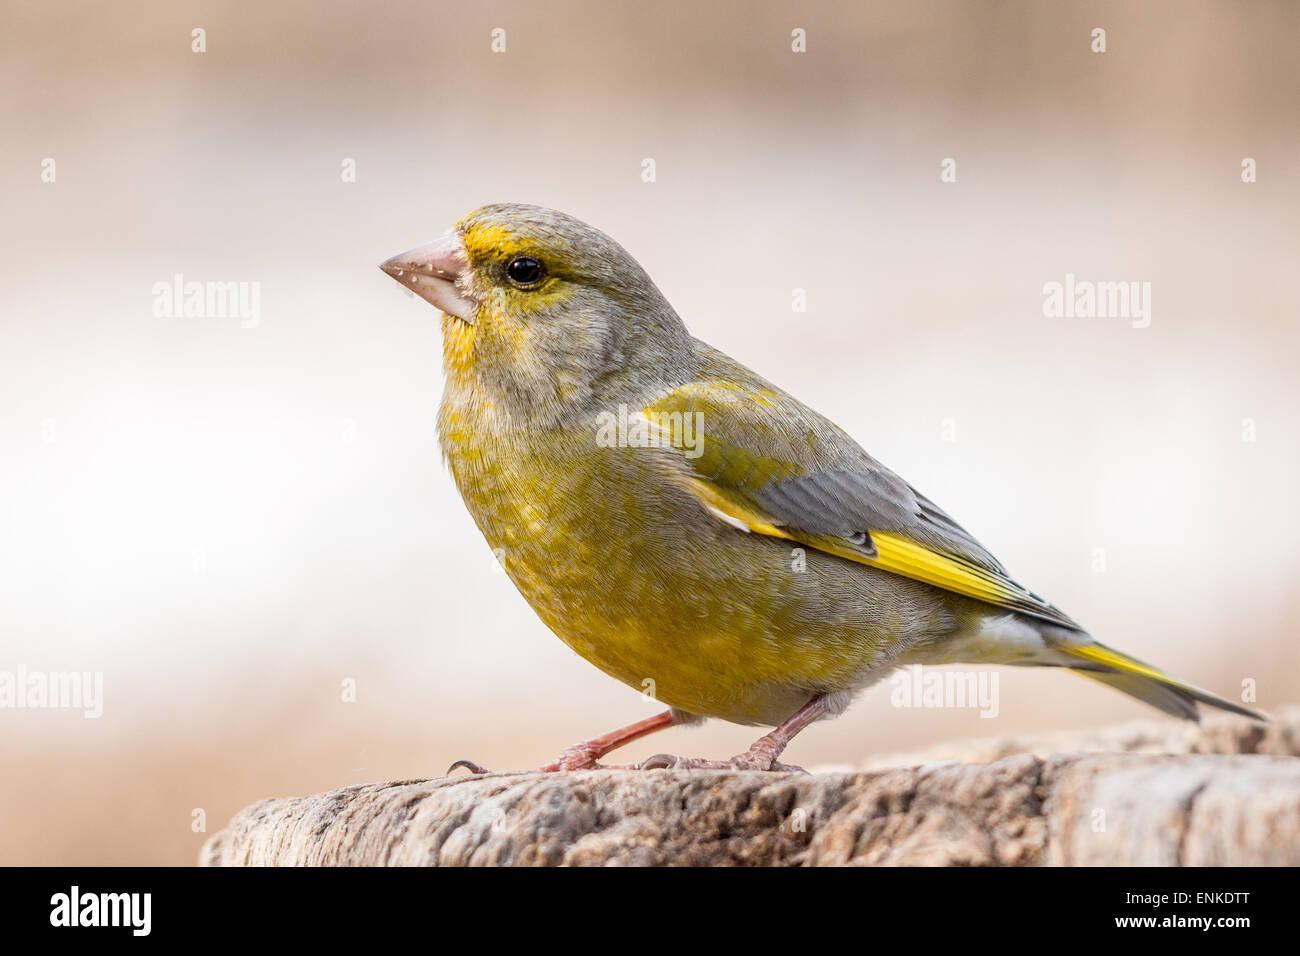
(436, 273)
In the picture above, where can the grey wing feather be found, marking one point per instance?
(844, 491)
(843, 502)
(851, 504)
(839, 501)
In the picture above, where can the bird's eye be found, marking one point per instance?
(524, 270)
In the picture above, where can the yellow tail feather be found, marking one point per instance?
(1150, 684)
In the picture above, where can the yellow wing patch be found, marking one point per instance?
(732, 512)
(912, 560)
(895, 554)
(908, 559)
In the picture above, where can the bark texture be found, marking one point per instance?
(1143, 794)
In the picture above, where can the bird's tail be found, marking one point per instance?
(1146, 683)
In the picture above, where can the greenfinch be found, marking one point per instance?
(687, 526)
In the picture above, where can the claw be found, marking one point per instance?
(745, 761)
(469, 765)
(659, 762)
(670, 762)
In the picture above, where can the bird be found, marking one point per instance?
(688, 527)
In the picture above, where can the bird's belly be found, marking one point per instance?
(635, 576)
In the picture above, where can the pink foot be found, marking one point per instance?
(577, 757)
(746, 761)
(583, 756)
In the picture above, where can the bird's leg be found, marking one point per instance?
(761, 756)
(763, 752)
(583, 756)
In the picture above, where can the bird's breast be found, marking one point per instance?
(631, 571)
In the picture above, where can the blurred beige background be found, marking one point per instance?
(230, 522)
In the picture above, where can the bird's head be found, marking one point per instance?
(542, 312)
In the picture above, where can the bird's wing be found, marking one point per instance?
(763, 462)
